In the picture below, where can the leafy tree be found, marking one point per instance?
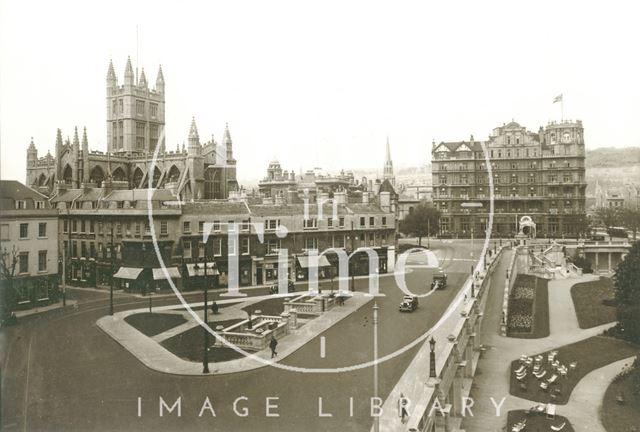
(630, 219)
(609, 216)
(423, 221)
(627, 284)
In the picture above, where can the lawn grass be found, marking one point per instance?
(621, 417)
(588, 298)
(537, 422)
(189, 344)
(538, 308)
(272, 306)
(590, 354)
(152, 324)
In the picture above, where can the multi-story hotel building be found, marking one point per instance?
(29, 247)
(537, 174)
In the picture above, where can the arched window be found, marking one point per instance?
(174, 174)
(156, 177)
(137, 178)
(67, 174)
(97, 175)
(119, 174)
(212, 185)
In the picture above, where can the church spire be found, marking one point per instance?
(85, 156)
(76, 140)
(194, 147)
(142, 82)
(160, 80)
(128, 73)
(228, 143)
(111, 75)
(388, 165)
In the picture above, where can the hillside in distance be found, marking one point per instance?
(606, 157)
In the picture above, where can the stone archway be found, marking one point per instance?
(527, 227)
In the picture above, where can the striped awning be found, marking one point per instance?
(128, 273)
(322, 261)
(159, 274)
(212, 269)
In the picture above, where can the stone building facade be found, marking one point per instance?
(537, 174)
(106, 231)
(136, 150)
(29, 247)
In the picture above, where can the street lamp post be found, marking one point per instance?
(111, 252)
(375, 362)
(432, 358)
(205, 357)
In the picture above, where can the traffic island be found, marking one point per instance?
(243, 327)
(552, 375)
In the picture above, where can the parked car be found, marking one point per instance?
(439, 280)
(409, 303)
(291, 287)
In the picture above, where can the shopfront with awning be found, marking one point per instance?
(161, 277)
(129, 278)
(128, 273)
(305, 261)
(195, 275)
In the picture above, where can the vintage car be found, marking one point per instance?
(409, 303)
(439, 280)
(273, 289)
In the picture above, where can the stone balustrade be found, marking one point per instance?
(439, 406)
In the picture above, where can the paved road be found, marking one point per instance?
(60, 372)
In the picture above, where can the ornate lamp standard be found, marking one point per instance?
(432, 358)
(205, 356)
(111, 256)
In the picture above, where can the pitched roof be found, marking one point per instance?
(214, 208)
(453, 146)
(17, 191)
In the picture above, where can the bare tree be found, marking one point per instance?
(8, 263)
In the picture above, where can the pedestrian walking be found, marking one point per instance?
(214, 308)
(403, 403)
(273, 344)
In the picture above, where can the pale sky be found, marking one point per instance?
(321, 83)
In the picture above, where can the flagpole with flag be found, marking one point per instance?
(560, 99)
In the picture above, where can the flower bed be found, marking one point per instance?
(528, 308)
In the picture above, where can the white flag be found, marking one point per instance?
(558, 98)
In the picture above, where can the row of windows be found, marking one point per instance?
(24, 230)
(22, 204)
(23, 262)
(273, 245)
(118, 107)
(82, 226)
(513, 178)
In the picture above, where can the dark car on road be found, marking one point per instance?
(409, 303)
(439, 280)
